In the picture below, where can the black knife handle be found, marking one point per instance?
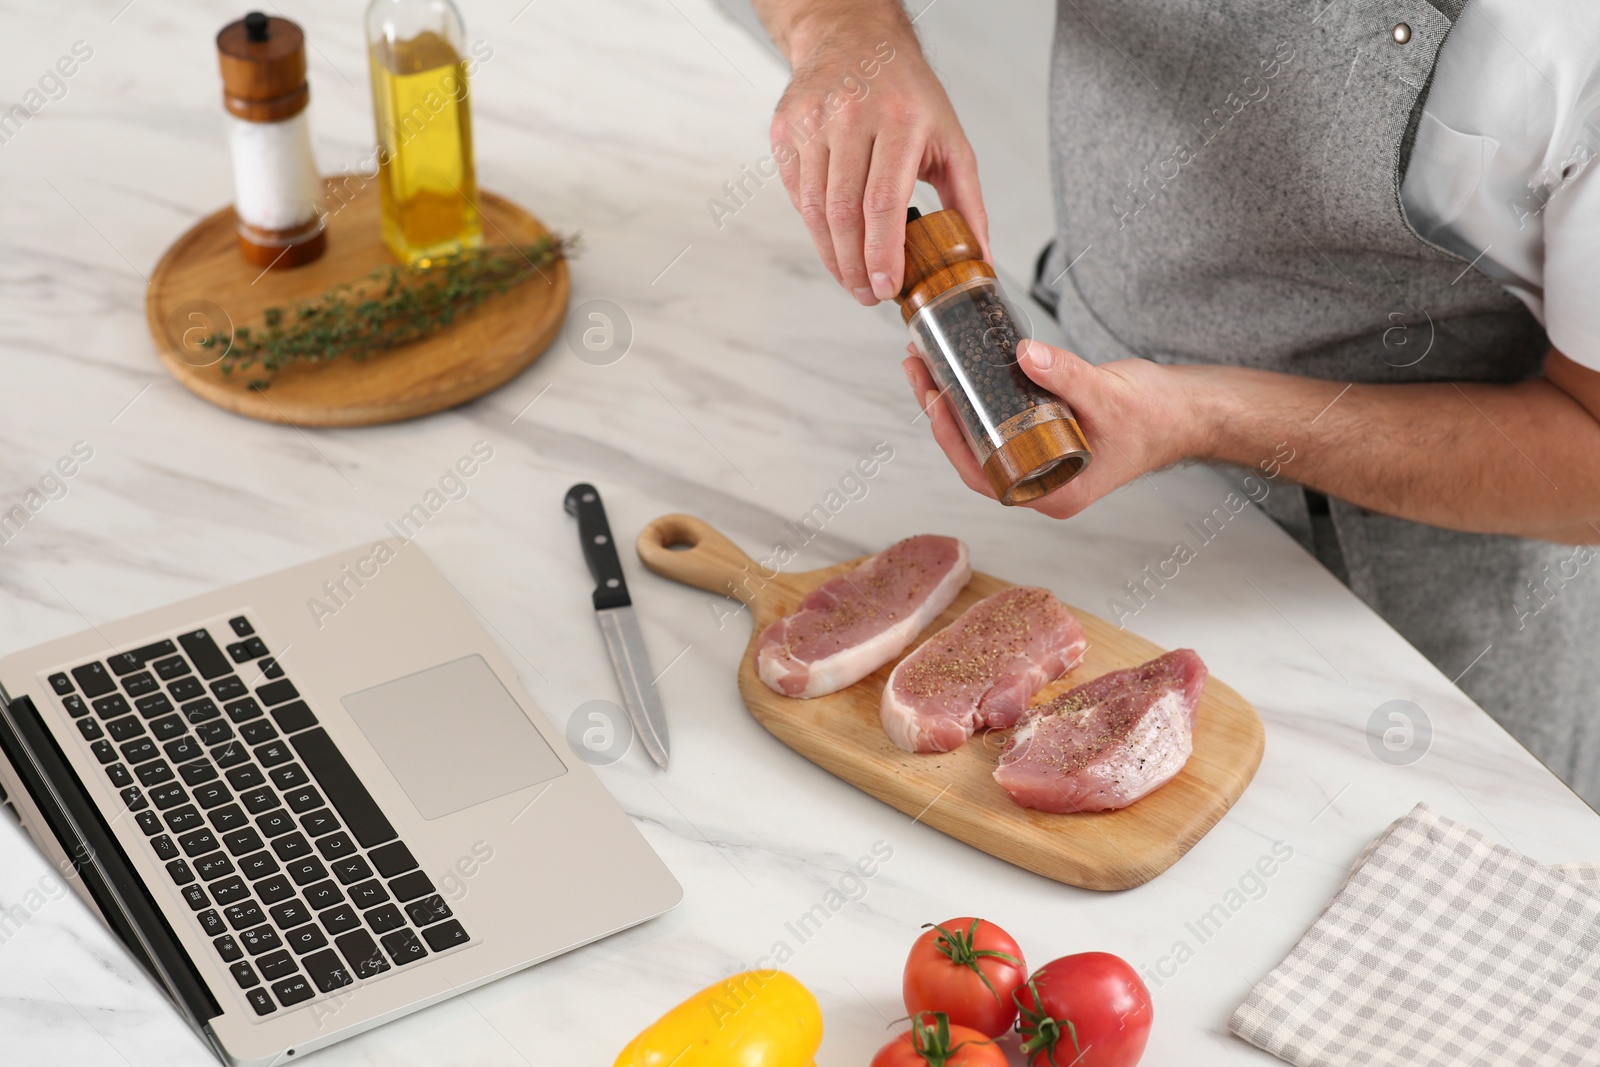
(599, 550)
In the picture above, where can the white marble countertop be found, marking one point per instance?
(752, 384)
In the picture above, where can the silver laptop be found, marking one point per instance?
(316, 801)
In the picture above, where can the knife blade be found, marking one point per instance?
(619, 625)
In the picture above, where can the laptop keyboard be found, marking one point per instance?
(288, 865)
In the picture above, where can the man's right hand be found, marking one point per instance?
(851, 147)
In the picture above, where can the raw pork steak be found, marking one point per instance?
(1108, 742)
(981, 670)
(853, 624)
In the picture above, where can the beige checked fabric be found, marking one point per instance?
(1442, 949)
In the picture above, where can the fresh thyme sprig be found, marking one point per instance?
(392, 306)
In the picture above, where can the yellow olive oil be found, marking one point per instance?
(427, 185)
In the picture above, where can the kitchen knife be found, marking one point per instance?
(614, 610)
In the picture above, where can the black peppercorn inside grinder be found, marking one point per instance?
(961, 322)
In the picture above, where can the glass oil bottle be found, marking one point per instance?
(1027, 441)
(427, 185)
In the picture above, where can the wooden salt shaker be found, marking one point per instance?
(276, 189)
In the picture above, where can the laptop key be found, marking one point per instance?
(135, 751)
(75, 706)
(361, 952)
(200, 710)
(137, 685)
(171, 667)
(260, 1000)
(243, 841)
(291, 846)
(197, 772)
(148, 822)
(165, 848)
(243, 710)
(351, 869)
(323, 895)
(186, 689)
(211, 794)
(276, 692)
(276, 965)
(292, 717)
(272, 754)
(133, 798)
(183, 749)
(303, 799)
(385, 918)
(229, 688)
(271, 668)
(319, 822)
(336, 846)
(153, 705)
(102, 750)
(370, 894)
(119, 775)
(241, 626)
(292, 991)
(229, 890)
(228, 817)
(327, 970)
(213, 732)
(195, 896)
(288, 776)
(212, 923)
(403, 947)
(245, 915)
(204, 654)
(428, 910)
(167, 727)
(445, 935)
(290, 913)
(90, 730)
(338, 920)
(198, 843)
(260, 939)
(410, 886)
(180, 872)
(257, 732)
(227, 947)
(259, 800)
(111, 707)
(182, 820)
(271, 890)
(214, 866)
(306, 870)
(275, 822)
(60, 683)
(392, 859)
(344, 789)
(94, 679)
(231, 754)
(244, 974)
(306, 938)
(258, 865)
(166, 796)
(128, 726)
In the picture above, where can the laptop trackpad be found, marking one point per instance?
(453, 737)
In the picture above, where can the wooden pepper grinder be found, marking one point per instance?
(276, 190)
(965, 329)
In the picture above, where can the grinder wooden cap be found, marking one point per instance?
(941, 252)
(263, 60)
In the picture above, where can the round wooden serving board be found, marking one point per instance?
(955, 791)
(203, 283)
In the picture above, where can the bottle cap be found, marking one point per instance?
(263, 60)
(941, 252)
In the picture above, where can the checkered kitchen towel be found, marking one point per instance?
(1441, 949)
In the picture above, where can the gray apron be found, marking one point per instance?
(1227, 186)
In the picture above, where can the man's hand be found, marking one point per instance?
(1133, 413)
(851, 148)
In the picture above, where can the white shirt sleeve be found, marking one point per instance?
(1502, 171)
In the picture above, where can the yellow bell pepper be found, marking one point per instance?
(755, 1019)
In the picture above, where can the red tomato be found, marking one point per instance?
(1087, 1010)
(968, 969)
(933, 1042)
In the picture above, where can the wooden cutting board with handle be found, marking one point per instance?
(954, 791)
